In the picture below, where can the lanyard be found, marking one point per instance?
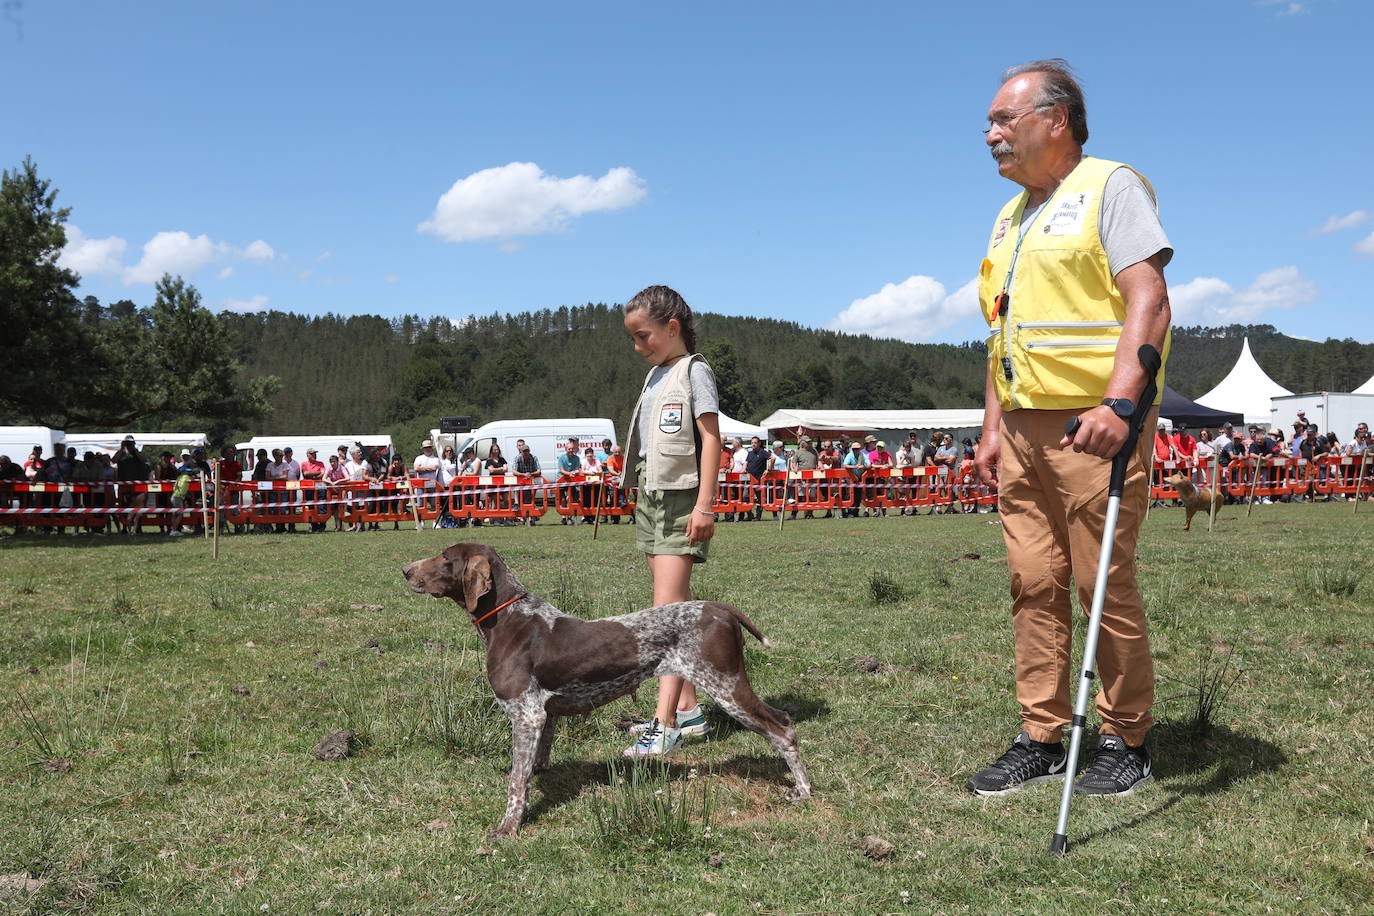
(1004, 297)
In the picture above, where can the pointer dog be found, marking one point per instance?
(543, 664)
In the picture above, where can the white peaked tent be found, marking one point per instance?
(1366, 388)
(1247, 389)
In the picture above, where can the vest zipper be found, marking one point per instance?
(1036, 344)
(1069, 324)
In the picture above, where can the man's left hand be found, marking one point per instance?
(1100, 432)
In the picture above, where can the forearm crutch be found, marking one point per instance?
(1149, 359)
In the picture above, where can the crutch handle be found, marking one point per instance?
(1149, 359)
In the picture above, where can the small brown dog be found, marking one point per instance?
(1195, 498)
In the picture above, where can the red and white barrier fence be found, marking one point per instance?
(94, 504)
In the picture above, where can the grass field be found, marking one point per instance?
(158, 713)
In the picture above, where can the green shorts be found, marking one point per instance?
(662, 517)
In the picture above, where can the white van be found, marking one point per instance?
(326, 445)
(547, 438)
(18, 441)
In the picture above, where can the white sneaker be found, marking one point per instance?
(655, 742)
(174, 533)
(691, 722)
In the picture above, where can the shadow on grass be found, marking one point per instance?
(565, 781)
(1178, 754)
(799, 708)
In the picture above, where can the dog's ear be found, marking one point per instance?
(476, 580)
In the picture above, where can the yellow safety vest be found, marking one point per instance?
(1053, 346)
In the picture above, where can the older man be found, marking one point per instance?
(1072, 286)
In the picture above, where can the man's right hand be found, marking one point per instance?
(988, 457)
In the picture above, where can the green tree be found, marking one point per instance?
(730, 386)
(46, 351)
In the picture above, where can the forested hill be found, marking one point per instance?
(365, 373)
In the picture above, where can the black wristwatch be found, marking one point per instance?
(1122, 407)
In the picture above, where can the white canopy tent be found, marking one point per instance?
(889, 424)
(1366, 388)
(109, 442)
(730, 428)
(1247, 389)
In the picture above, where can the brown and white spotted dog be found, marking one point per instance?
(543, 664)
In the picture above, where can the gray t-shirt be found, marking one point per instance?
(1129, 223)
(704, 397)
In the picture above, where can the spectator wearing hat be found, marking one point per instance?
(527, 471)
(427, 467)
(1185, 445)
(293, 472)
(855, 462)
(879, 458)
(312, 469)
(805, 458)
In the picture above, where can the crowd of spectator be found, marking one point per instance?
(950, 460)
(1228, 444)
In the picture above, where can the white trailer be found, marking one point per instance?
(1331, 411)
(17, 442)
(547, 438)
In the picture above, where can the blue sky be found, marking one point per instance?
(820, 163)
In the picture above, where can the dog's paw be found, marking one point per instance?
(797, 793)
(505, 831)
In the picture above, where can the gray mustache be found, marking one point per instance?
(1000, 150)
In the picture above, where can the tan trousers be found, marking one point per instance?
(1053, 504)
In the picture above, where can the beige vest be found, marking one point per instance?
(671, 461)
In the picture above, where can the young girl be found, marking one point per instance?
(672, 452)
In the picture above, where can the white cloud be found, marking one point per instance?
(519, 199)
(1285, 7)
(174, 253)
(915, 309)
(259, 251)
(225, 274)
(1348, 221)
(1210, 301)
(255, 304)
(390, 279)
(1365, 247)
(92, 256)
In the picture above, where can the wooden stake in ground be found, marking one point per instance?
(1359, 481)
(1212, 505)
(414, 503)
(1254, 485)
(786, 480)
(596, 511)
(216, 515)
(204, 506)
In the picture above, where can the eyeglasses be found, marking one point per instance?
(1008, 118)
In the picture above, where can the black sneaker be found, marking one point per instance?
(1116, 768)
(1021, 765)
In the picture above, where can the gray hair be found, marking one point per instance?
(1058, 86)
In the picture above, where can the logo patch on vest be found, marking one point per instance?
(1067, 218)
(1002, 225)
(670, 418)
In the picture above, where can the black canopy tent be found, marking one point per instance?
(1190, 413)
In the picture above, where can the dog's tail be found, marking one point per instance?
(749, 625)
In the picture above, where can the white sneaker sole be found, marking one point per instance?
(1011, 790)
(691, 731)
(1131, 791)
